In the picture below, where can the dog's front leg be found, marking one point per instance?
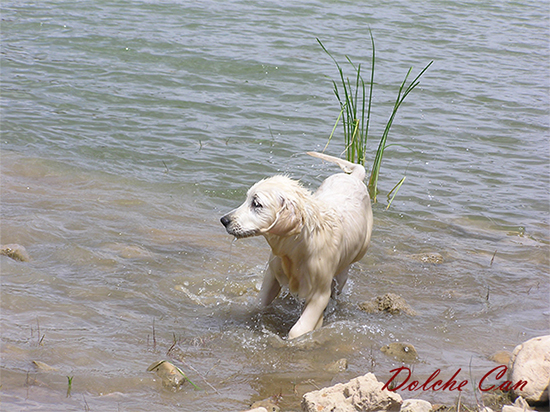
(270, 286)
(312, 316)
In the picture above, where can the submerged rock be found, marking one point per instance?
(16, 252)
(360, 394)
(43, 367)
(171, 375)
(530, 362)
(128, 251)
(390, 303)
(434, 258)
(502, 357)
(338, 366)
(403, 352)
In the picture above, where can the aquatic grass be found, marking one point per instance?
(355, 114)
(69, 385)
(401, 95)
(396, 188)
(41, 337)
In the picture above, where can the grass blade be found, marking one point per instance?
(375, 172)
(396, 188)
(333, 129)
(356, 128)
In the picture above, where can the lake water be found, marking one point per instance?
(130, 127)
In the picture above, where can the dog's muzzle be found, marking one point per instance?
(225, 220)
(234, 228)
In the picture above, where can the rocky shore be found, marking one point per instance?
(528, 377)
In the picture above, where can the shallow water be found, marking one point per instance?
(129, 128)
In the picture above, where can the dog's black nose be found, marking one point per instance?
(225, 221)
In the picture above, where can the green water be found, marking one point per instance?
(129, 128)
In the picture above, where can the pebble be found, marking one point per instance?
(44, 367)
(502, 357)
(434, 258)
(171, 375)
(267, 405)
(16, 252)
(404, 352)
(390, 303)
(415, 405)
(338, 366)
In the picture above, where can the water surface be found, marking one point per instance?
(130, 127)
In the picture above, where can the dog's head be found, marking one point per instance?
(271, 208)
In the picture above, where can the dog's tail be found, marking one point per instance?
(353, 169)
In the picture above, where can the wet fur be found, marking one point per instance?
(314, 238)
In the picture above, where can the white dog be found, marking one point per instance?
(314, 238)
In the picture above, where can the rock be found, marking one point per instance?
(360, 394)
(390, 303)
(530, 362)
(43, 367)
(338, 366)
(266, 405)
(16, 252)
(434, 258)
(520, 405)
(415, 405)
(502, 357)
(512, 408)
(128, 251)
(404, 352)
(172, 376)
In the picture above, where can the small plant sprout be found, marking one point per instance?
(69, 385)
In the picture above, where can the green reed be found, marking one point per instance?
(69, 385)
(355, 114)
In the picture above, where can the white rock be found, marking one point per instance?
(416, 405)
(513, 408)
(530, 362)
(520, 405)
(260, 409)
(360, 394)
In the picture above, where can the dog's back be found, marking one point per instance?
(348, 197)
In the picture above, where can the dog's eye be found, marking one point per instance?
(256, 204)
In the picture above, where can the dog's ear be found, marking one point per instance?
(288, 221)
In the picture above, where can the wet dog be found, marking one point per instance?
(314, 238)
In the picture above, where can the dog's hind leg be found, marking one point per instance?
(339, 282)
(270, 286)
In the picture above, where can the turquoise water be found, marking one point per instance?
(129, 128)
